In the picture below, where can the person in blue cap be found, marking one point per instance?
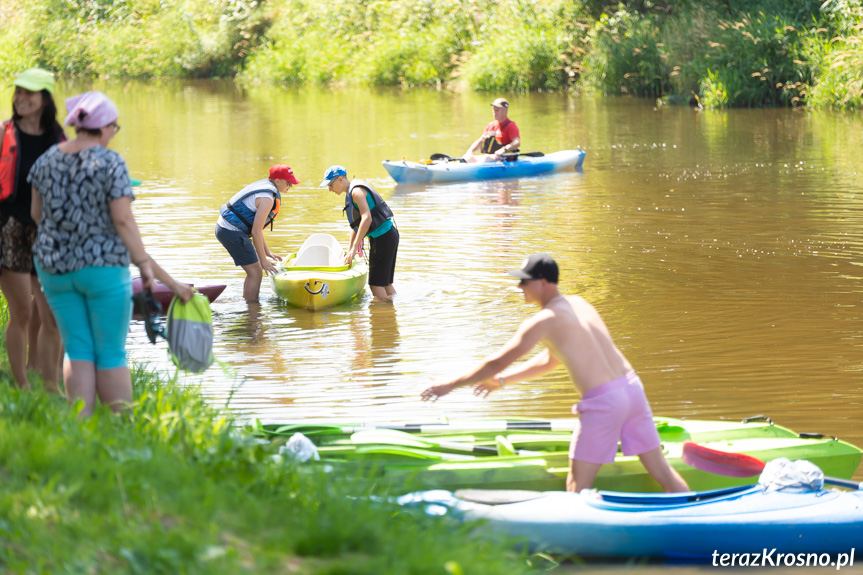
(369, 216)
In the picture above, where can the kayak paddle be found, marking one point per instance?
(737, 464)
(509, 157)
(395, 437)
(496, 425)
(528, 154)
(501, 426)
(444, 158)
(489, 425)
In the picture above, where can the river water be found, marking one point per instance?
(723, 249)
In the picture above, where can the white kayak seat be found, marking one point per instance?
(317, 257)
(320, 250)
(321, 240)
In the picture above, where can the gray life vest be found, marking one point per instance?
(236, 213)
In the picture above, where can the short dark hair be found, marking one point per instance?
(88, 131)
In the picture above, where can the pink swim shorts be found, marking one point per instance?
(615, 410)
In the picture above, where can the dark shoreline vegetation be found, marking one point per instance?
(719, 53)
(174, 486)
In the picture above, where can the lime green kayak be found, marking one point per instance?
(316, 278)
(467, 456)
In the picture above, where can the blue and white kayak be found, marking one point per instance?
(694, 525)
(408, 172)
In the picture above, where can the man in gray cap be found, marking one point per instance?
(613, 406)
(499, 137)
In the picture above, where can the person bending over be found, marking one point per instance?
(368, 215)
(613, 406)
(241, 223)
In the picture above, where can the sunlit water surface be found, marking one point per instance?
(723, 249)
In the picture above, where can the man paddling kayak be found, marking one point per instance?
(240, 228)
(613, 406)
(499, 137)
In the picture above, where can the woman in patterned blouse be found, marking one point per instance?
(86, 239)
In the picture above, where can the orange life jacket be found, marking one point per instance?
(8, 161)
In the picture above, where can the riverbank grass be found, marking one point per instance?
(173, 486)
(724, 53)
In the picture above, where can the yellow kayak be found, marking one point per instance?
(314, 278)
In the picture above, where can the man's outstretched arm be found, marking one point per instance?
(528, 335)
(539, 365)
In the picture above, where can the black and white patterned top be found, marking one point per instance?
(76, 230)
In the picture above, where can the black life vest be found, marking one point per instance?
(490, 145)
(380, 213)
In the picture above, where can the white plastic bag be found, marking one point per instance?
(300, 448)
(783, 473)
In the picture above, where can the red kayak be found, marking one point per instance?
(163, 295)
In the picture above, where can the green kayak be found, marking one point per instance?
(512, 454)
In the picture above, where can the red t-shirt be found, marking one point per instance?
(504, 135)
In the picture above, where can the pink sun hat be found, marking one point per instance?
(90, 110)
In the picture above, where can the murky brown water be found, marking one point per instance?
(723, 249)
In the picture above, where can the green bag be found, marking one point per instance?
(190, 333)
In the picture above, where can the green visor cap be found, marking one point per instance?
(35, 80)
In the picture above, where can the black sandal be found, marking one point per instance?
(151, 313)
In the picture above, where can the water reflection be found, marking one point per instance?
(375, 332)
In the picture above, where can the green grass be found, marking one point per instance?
(524, 59)
(838, 81)
(626, 56)
(174, 486)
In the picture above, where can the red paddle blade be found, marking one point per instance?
(720, 462)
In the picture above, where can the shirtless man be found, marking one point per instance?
(613, 405)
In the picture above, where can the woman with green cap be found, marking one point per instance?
(31, 131)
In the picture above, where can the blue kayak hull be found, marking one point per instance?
(702, 525)
(407, 172)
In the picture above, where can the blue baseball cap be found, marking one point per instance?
(331, 174)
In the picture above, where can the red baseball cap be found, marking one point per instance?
(283, 172)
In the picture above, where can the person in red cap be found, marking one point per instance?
(613, 406)
(241, 224)
(499, 137)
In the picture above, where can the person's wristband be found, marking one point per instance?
(500, 381)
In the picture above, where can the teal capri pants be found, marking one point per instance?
(93, 308)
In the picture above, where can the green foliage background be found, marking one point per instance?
(724, 52)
